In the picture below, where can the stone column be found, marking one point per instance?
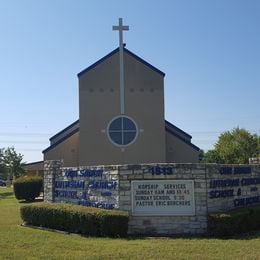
(51, 169)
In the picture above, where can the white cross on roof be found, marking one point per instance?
(120, 28)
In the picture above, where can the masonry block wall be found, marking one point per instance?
(195, 223)
(163, 199)
(86, 186)
(232, 186)
(51, 169)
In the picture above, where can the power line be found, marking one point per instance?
(23, 142)
(220, 132)
(25, 134)
(29, 150)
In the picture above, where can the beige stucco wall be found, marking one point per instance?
(68, 151)
(99, 102)
(178, 151)
(34, 169)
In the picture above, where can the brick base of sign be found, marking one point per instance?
(162, 199)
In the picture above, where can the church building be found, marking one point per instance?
(121, 116)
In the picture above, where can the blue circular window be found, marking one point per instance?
(122, 131)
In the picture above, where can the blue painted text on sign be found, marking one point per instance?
(156, 170)
(246, 201)
(96, 204)
(102, 185)
(70, 184)
(84, 173)
(237, 170)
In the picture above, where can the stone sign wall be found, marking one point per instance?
(175, 202)
(91, 187)
(163, 199)
(232, 186)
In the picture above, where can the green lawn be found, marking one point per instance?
(18, 242)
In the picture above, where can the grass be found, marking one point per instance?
(18, 242)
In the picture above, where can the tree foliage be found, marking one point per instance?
(235, 146)
(212, 156)
(2, 166)
(10, 163)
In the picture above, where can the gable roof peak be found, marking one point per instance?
(115, 51)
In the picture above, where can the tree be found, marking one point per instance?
(212, 156)
(235, 146)
(11, 163)
(258, 146)
(2, 166)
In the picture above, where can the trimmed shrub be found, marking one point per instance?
(27, 188)
(113, 220)
(234, 222)
(77, 219)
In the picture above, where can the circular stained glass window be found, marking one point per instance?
(122, 131)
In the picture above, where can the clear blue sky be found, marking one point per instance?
(209, 50)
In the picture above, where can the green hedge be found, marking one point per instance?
(76, 219)
(234, 222)
(28, 188)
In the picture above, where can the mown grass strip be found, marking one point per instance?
(17, 242)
